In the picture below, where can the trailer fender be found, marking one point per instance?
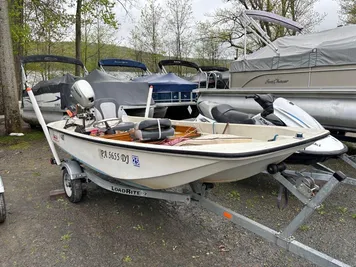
(74, 169)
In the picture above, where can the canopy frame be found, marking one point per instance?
(248, 20)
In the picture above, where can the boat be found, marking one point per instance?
(54, 98)
(316, 71)
(172, 94)
(205, 76)
(164, 154)
(141, 151)
(131, 96)
(51, 95)
(241, 152)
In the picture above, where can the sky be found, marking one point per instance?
(202, 7)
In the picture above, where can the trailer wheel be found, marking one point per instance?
(2, 208)
(72, 188)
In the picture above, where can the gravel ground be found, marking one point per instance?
(108, 229)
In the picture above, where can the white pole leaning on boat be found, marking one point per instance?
(43, 124)
(149, 99)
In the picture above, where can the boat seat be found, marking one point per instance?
(226, 113)
(153, 129)
(107, 108)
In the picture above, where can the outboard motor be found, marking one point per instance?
(83, 93)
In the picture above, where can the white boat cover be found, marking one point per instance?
(331, 47)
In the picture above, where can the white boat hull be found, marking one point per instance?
(160, 167)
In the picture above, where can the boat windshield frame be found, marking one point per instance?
(119, 62)
(177, 62)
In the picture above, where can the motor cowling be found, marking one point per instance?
(83, 94)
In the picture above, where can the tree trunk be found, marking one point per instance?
(78, 35)
(7, 74)
(18, 9)
(1, 99)
(98, 39)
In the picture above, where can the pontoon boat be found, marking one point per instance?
(316, 71)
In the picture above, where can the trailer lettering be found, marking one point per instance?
(126, 191)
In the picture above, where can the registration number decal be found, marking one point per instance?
(115, 156)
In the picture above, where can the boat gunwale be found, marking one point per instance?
(167, 150)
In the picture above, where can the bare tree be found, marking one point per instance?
(96, 31)
(46, 21)
(7, 74)
(348, 11)
(179, 19)
(136, 43)
(99, 11)
(207, 48)
(148, 33)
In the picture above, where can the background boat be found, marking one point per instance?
(316, 71)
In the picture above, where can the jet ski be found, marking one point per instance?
(279, 112)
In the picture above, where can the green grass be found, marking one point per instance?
(127, 259)
(21, 142)
(66, 237)
(139, 227)
(235, 195)
(20, 146)
(343, 210)
(304, 227)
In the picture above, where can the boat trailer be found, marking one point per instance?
(75, 174)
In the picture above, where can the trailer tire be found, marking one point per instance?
(72, 188)
(2, 208)
(33, 126)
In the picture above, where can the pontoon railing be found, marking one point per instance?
(173, 97)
